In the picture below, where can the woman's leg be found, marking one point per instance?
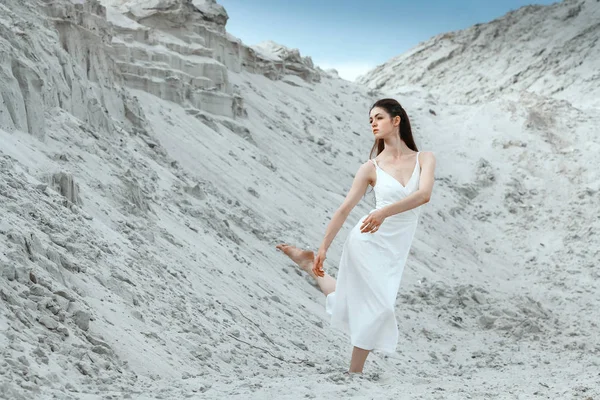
(304, 259)
(359, 356)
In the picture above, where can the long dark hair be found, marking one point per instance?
(394, 109)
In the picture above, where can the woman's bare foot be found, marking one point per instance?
(304, 258)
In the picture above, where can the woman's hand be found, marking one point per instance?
(318, 263)
(373, 221)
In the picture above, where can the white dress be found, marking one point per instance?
(371, 267)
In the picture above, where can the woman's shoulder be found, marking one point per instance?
(367, 169)
(368, 165)
(427, 158)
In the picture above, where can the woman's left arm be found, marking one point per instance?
(423, 194)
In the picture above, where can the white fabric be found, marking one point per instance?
(371, 267)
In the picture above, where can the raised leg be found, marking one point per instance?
(304, 259)
(359, 356)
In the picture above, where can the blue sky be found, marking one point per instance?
(356, 35)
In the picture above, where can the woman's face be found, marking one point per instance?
(382, 124)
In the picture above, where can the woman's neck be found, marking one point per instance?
(396, 150)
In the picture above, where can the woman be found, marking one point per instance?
(363, 297)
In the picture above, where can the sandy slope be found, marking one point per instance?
(137, 244)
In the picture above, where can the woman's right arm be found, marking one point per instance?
(364, 176)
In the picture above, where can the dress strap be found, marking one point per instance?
(374, 163)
